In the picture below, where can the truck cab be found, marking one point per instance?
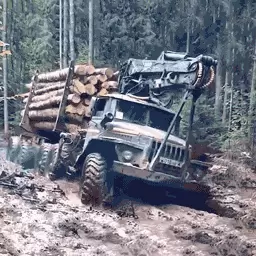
(123, 137)
(132, 132)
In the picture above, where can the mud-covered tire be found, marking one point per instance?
(56, 168)
(27, 154)
(68, 160)
(65, 151)
(12, 148)
(93, 187)
(44, 161)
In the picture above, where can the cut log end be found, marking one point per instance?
(90, 89)
(74, 98)
(102, 78)
(84, 70)
(87, 100)
(104, 71)
(110, 85)
(102, 92)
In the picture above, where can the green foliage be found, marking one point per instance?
(142, 29)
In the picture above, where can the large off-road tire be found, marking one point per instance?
(44, 160)
(27, 154)
(56, 167)
(68, 161)
(93, 185)
(12, 148)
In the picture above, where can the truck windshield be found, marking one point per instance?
(144, 115)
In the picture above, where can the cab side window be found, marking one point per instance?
(99, 107)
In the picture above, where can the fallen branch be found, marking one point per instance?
(10, 185)
(30, 199)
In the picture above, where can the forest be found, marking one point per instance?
(225, 29)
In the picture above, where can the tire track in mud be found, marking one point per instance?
(185, 231)
(67, 228)
(209, 234)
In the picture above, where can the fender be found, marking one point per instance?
(96, 144)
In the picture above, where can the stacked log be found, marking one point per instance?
(86, 82)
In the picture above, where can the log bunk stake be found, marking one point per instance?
(60, 120)
(24, 124)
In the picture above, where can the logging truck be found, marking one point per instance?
(102, 126)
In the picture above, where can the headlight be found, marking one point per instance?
(127, 155)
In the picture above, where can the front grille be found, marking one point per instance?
(172, 152)
(169, 151)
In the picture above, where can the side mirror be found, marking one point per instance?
(107, 119)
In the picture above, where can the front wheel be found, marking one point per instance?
(95, 182)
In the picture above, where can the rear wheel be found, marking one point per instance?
(12, 148)
(27, 154)
(45, 159)
(68, 160)
(56, 168)
(94, 182)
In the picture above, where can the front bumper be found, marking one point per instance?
(156, 177)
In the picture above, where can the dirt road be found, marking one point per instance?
(39, 217)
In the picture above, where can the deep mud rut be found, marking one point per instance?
(40, 217)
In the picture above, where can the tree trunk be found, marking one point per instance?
(65, 28)
(231, 94)
(91, 49)
(217, 106)
(252, 98)
(90, 80)
(188, 36)
(225, 101)
(105, 71)
(97, 29)
(71, 29)
(6, 123)
(61, 75)
(102, 78)
(79, 110)
(47, 95)
(110, 85)
(50, 126)
(60, 33)
(53, 87)
(51, 115)
(54, 101)
(228, 66)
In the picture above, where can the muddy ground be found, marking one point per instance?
(40, 217)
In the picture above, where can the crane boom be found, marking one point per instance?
(149, 79)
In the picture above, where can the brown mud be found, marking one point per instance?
(40, 217)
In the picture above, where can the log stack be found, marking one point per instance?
(86, 82)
